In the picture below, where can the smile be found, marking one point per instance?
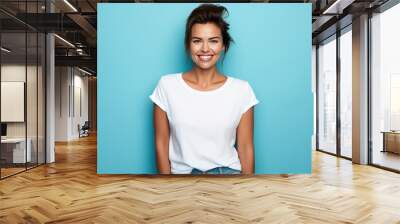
(205, 58)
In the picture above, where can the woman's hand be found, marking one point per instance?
(161, 138)
(245, 143)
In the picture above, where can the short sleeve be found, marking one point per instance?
(250, 99)
(159, 96)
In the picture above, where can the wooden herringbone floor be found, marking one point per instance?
(70, 191)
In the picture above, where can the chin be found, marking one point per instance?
(205, 67)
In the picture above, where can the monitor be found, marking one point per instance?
(3, 129)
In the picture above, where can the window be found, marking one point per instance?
(327, 95)
(385, 88)
(346, 93)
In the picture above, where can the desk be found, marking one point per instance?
(16, 147)
(391, 141)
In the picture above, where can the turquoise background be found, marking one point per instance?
(138, 43)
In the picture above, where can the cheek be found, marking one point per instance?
(217, 48)
(193, 54)
(194, 49)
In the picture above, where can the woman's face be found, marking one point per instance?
(206, 45)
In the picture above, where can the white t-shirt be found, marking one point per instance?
(203, 123)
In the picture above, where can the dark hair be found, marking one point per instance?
(209, 13)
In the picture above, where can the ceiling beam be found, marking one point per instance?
(84, 61)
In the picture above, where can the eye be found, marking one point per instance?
(196, 41)
(214, 41)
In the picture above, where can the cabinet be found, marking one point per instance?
(391, 142)
(13, 150)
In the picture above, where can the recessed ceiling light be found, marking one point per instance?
(84, 71)
(64, 40)
(337, 7)
(70, 5)
(5, 50)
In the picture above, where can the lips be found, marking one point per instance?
(205, 58)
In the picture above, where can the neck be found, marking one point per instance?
(205, 77)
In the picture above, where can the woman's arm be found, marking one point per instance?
(245, 142)
(161, 138)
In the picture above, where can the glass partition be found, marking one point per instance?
(385, 89)
(327, 95)
(346, 93)
(14, 153)
(22, 89)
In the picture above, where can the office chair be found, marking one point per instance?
(84, 130)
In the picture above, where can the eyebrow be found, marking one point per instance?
(208, 38)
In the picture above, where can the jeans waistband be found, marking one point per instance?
(216, 170)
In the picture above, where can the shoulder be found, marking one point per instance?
(239, 83)
(169, 79)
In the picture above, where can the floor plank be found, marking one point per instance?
(70, 191)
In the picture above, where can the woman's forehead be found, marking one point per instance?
(205, 30)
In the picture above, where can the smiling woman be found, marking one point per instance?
(203, 120)
(207, 30)
(206, 45)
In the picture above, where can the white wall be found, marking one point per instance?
(33, 127)
(70, 84)
(15, 72)
(62, 81)
(9, 73)
(80, 89)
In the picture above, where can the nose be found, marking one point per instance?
(205, 47)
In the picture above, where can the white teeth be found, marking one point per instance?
(205, 57)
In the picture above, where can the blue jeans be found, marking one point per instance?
(217, 170)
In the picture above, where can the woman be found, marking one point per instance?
(200, 114)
